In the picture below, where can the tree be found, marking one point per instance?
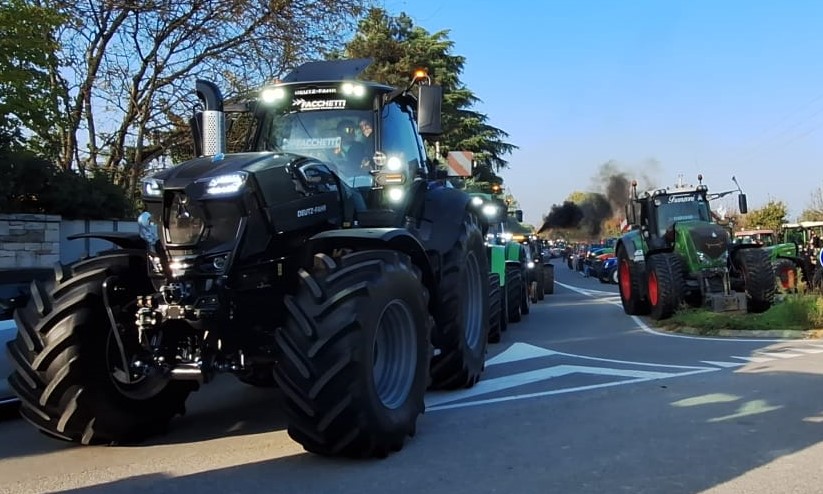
(771, 216)
(126, 69)
(398, 47)
(27, 62)
(814, 210)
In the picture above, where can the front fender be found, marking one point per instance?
(398, 239)
(439, 225)
(125, 240)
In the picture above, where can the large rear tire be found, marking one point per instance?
(68, 370)
(495, 308)
(758, 278)
(631, 295)
(352, 358)
(665, 284)
(461, 313)
(514, 292)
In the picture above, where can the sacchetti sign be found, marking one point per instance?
(319, 104)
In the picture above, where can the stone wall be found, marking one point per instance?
(29, 240)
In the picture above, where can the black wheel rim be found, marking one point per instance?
(395, 354)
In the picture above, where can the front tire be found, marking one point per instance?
(495, 308)
(65, 358)
(630, 292)
(462, 311)
(665, 285)
(352, 358)
(758, 278)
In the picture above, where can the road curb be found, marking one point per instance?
(785, 334)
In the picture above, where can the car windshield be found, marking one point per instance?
(341, 138)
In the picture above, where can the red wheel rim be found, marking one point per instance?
(653, 289)
(624, 280)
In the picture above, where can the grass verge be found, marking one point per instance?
(798, 313)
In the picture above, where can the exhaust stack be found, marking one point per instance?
(213, 119)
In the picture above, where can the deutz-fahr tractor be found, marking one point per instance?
(333, 265)
(676, 253)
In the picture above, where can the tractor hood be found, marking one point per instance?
(702, 244)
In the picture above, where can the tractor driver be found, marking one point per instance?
(351, 152)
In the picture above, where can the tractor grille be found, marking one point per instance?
(183, 223)
(711, 240)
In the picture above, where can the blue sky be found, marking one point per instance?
(662, 87)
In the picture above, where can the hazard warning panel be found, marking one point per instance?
(459, 163)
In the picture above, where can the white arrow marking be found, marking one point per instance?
(529, 377)
(552, 392)
(519, 351)
(722, 364)
(754, 359)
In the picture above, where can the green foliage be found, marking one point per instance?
(27, 62)
(398, 47)
(814, 210)
(770, 216)
(794, 313)
(31, 184)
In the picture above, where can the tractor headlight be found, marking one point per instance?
(530, 264)
(395, 194)
(476, 201)
(490, 210)
(394, 164)
(152, 187)
(221, 185)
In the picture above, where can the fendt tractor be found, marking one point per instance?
(675, 253)
(335, 266)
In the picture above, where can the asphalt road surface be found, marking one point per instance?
(578, 397)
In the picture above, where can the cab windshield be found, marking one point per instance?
(675, 208)
(340, 138)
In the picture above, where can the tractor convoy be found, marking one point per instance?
(340, 268)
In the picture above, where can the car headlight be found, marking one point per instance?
(152, 187)
(222, 185)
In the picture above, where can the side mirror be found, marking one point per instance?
(742, 205)
(518, 215)
(429, 101)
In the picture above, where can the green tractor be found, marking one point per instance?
(494, 212)
(676, 252)
(806, 238)
(785, 256)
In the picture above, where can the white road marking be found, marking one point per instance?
(533, 376)
(561, 391)
(779, 354)
(757, 360)
(645, 327)
(722, 364)
(519, 351)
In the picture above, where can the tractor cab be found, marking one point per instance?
(661, 209)
(369, 135)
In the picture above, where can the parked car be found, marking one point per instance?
(608, 271)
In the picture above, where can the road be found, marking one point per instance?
(578, 397)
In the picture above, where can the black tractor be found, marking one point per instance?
(327, 258)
